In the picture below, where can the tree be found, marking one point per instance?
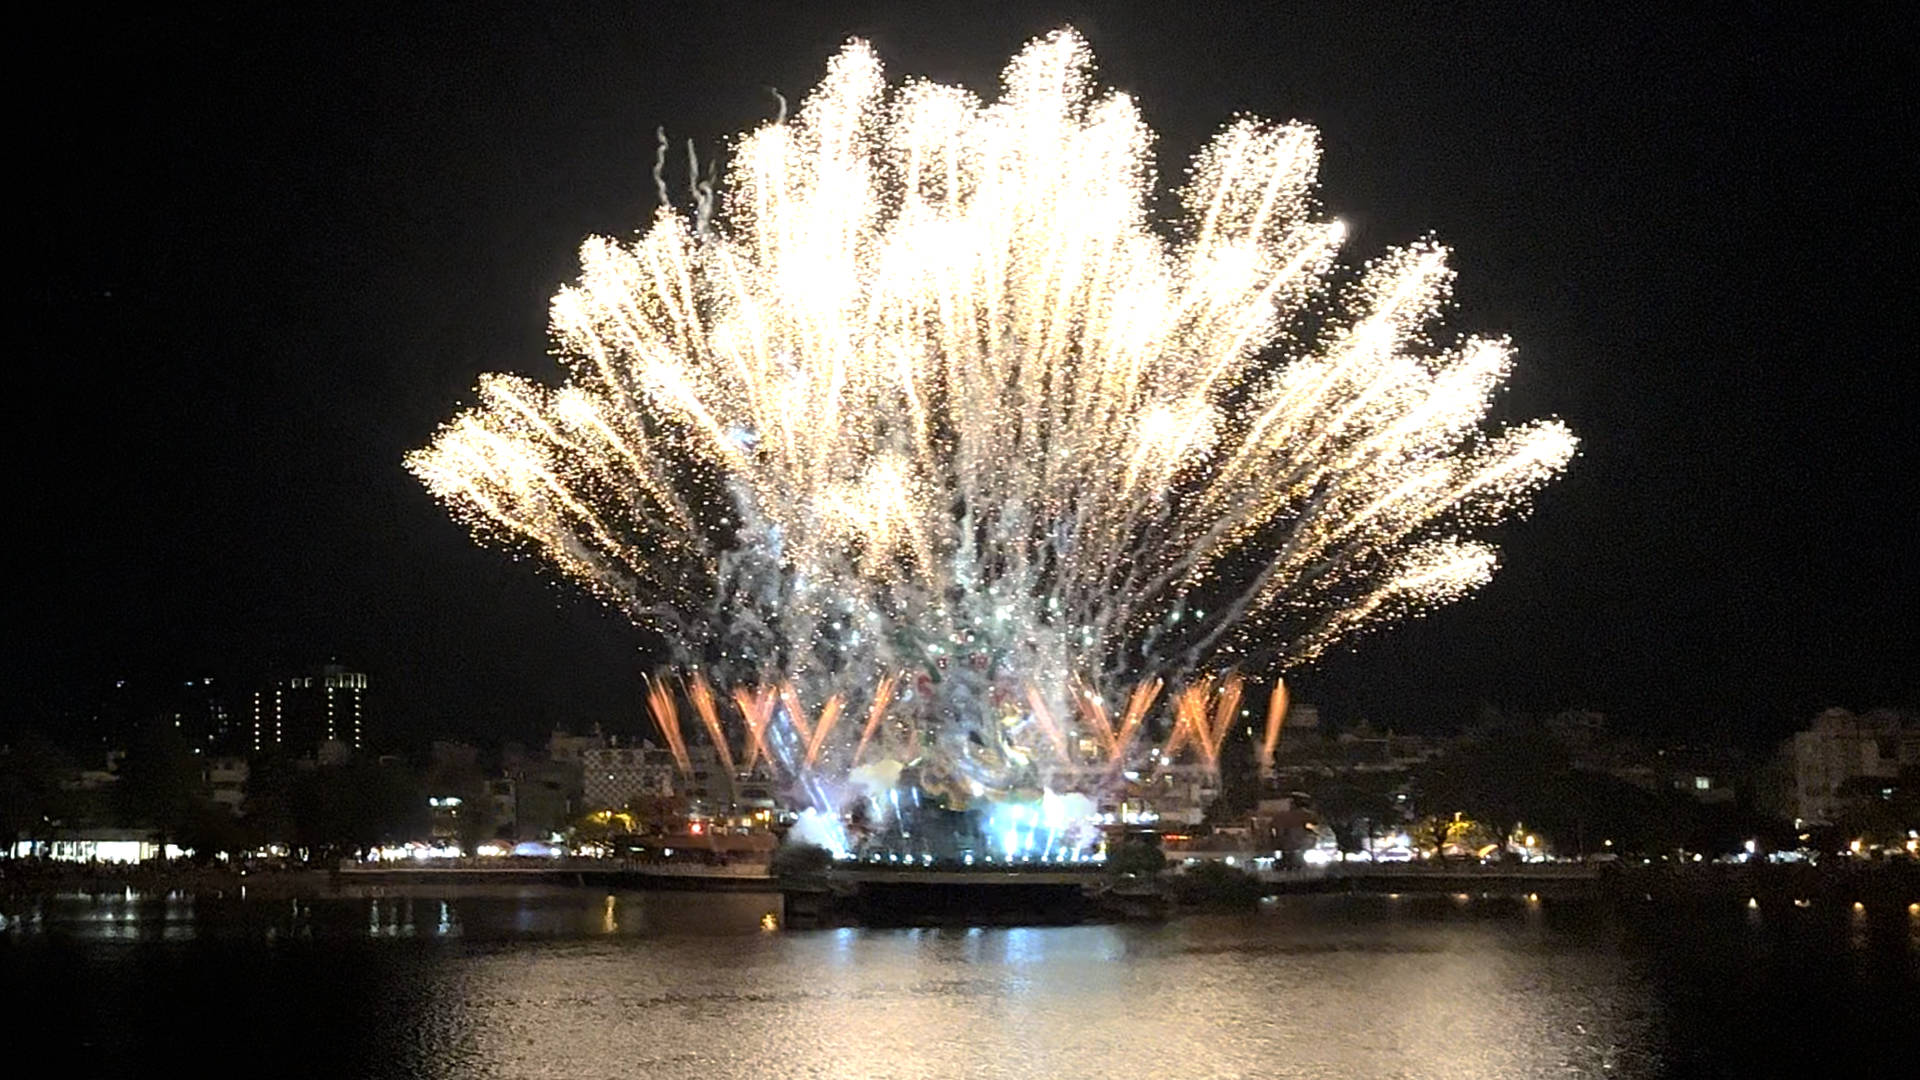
(1136, 856)
(1508, 773)
(474, 824)
(1725, 828)
(32, 796)
(1356, 806)
(352, 807)
(1872, 814)
(1585, 809)
(161, 785)
(210, 830)
(657, 814)
(801, 860)
(1215, 884)
(1239, 777)
(457, 775)
(601, 826)
(387, 804)
(268, 804)
(1906, 796)
(1503, 774)
(333, 810)
(1430, 833)
(1439, 832)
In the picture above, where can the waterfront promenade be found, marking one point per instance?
(624, 873)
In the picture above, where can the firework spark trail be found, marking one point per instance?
(921, 386)
(796, 713)
(1225, 711)
(1043, 716)
(700, 694)
(1093, 711)
(1189, 722)
(1139, 704)
(1276, 715)
(829, 714)
(666, 716)
(882, 696)
(756, 708)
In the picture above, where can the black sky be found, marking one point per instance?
(266, 253)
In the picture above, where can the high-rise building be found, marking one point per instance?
(209, 719)
(299, 712)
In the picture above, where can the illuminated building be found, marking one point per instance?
(299, 712)
(613, 776)
(98, 845)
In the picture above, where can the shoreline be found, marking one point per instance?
(1769, 884)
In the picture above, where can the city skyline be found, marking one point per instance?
(283, 274)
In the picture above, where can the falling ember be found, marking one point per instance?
(921, 391)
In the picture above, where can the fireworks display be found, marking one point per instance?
(936, 456)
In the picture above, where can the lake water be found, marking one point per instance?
(559, 983)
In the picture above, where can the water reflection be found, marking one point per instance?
(1201, 997)
(526, 982)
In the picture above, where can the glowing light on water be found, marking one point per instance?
(920, 411)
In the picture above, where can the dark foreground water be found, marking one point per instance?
(579, 984)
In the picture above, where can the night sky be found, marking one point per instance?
(265, 254)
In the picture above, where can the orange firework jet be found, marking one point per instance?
(700, 692)
(666, 714)
(882, 695)
(1223, 714)
(1276, 715)
(829, 713)
(1044, 716)
(756, 708)
(1189, 719)
(1137, 707)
